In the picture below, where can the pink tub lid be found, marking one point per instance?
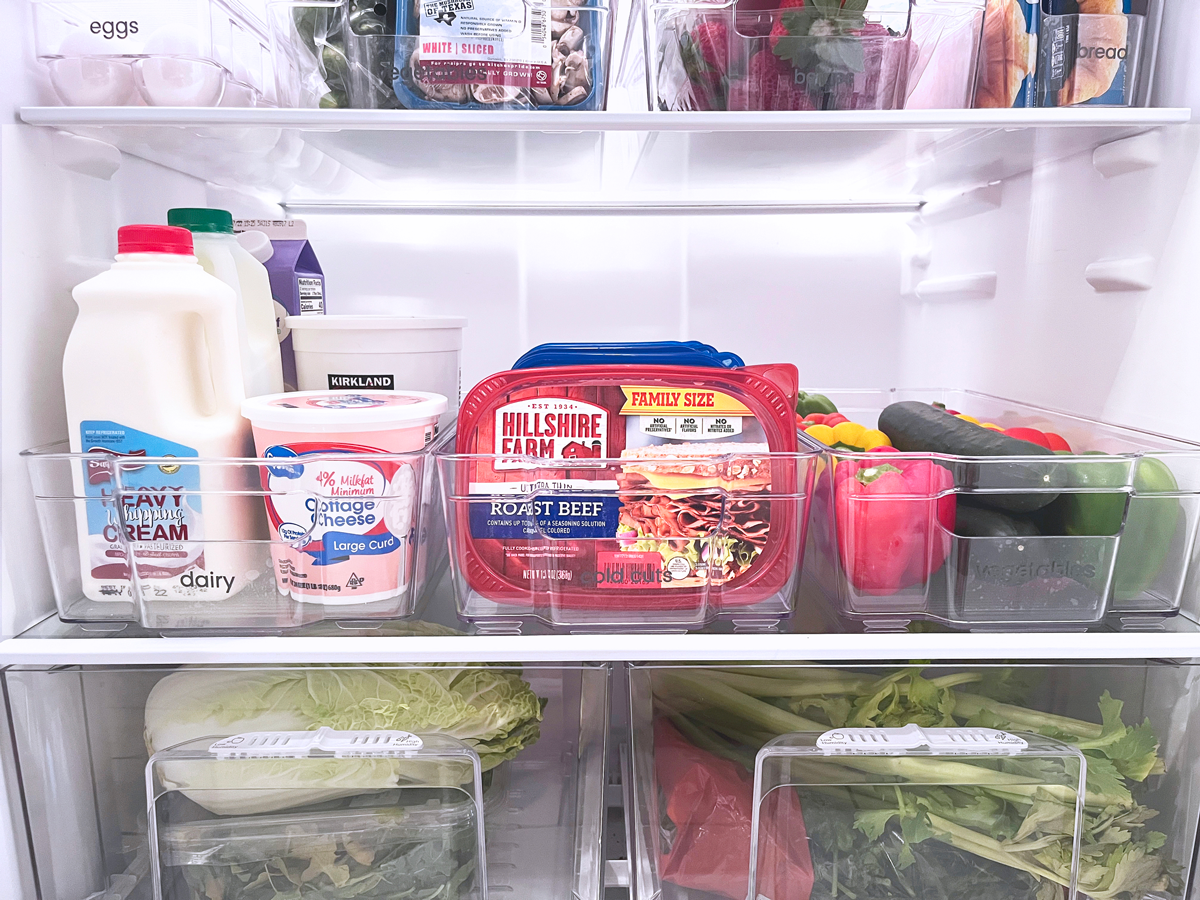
(374, 410)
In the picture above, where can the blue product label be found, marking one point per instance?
(335, 502)
(556, 517)
(154, 508)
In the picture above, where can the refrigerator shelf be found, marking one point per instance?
(364, 159)
(512, 121)
(54, 643)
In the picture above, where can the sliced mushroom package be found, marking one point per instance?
(641, 491)
(487, 54)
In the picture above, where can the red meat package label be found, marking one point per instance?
(628, 569)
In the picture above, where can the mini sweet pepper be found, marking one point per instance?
(888, 511)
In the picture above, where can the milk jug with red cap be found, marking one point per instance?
(152, 371)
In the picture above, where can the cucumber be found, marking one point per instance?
(976, 521)
(915, 427)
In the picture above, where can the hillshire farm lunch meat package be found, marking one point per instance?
(627, 486)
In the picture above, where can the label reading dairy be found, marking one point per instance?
(312, 296)
(349, 520)
(153, 511)
(499, 42)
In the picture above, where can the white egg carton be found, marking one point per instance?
(154, 53)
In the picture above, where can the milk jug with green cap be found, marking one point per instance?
(221, 255)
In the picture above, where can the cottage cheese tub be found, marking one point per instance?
(344, 525)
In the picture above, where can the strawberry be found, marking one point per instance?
(712, 39)
(770, 84)
(779, 30)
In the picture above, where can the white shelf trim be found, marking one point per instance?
(115, 650)
(575, 122)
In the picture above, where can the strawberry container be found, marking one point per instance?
(1063, 540)
(823, 55)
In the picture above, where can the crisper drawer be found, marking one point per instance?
(957, 530)
(878, 783)
(328, 781)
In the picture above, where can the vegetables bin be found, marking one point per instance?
(185, 546)
(154, 53)
(718, 552)
(368, 55)
(368, 781)
(1012, 542)
(876, 783)
(762, 55)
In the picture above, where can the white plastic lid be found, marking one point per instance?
(374, 410)
(381, 323)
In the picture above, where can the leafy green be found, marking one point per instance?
(1015, 813)
(338, 867)
(491, 709)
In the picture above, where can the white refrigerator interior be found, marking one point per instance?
(1045, 255)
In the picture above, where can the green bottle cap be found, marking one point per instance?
(212, 221)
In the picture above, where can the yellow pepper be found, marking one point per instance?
(966, 418)
(873, 438)
(822, 433)
(848, 433)
(992, 425)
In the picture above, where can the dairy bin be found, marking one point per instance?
(1101, 531)
(478, 780)
(237, 545)
(877, 782)
(155, 53)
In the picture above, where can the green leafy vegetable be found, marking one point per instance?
(493, 710)
(1013, 813)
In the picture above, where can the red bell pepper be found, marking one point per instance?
(888, 511)
(710, 802)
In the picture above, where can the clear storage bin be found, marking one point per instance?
(423, 837)
(755, 55)
(154, 52)
(538, 546)
(187, 545)
(327, 818)
(1107, 530)
(1089, 60)
(367, 55)
(807, 783)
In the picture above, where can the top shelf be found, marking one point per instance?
(576, 122)
(376, 161)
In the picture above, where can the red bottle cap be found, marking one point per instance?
(154, 239)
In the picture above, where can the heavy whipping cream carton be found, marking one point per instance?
(341, 497)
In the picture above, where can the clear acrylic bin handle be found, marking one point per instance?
(886, 741)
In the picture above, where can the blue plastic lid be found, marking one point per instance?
(658, 353)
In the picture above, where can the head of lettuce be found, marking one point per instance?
(492, 710)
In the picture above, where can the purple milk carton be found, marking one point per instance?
(297, 282)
